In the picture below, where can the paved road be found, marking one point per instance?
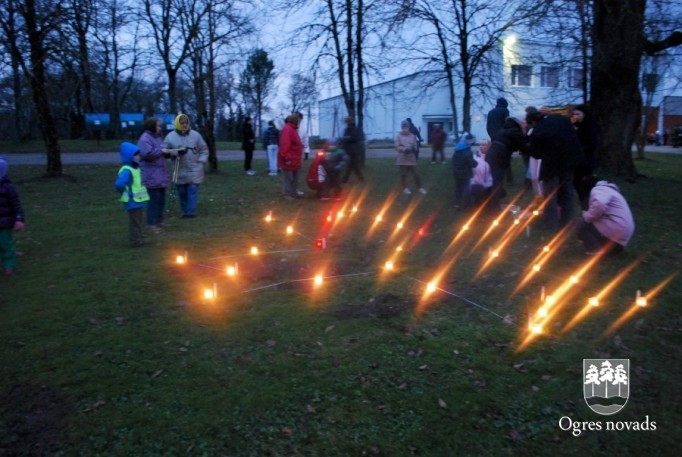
(86, 158)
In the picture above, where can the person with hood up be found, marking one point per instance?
(192, 152)
(607, 225)
(134, 195)
(290, 155)
(463, 164)
(415, 131)
(511, 138)
(589, 135)
(271, 143)
(352, 144)
(155, 176)
(11, 218)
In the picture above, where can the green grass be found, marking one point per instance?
(108, 350)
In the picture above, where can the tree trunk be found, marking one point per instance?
(616, 100)
(39, 89)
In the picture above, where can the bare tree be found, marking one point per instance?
(461, 39)
(302, 93)
(36, 25)
(257, 82)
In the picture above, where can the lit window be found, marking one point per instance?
(520, 75)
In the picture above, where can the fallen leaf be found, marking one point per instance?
(310, 409)
(442, 403)
(508, 319)
(183, 349)
(330, 328)
(423, 367)
(535, 389)
(270, 343)
(286, 432)
(546, 377)
(157, 373)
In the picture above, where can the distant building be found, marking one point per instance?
(532, 73)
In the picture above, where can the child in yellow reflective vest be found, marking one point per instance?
(133, 194)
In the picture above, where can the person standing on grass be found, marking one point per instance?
(407, 146)
(155, 176)
(248, 145)
(415, 131)
(11, 218)
(192, 154)
(352, 145)
(290, 155)
(134, 195)
(271, 143)
(437, 140)
(463, 164)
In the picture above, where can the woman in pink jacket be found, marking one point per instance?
(289, 156)
(607, 224)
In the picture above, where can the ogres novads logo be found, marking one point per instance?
(605, 384)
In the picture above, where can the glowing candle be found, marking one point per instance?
(536, 212)
(318, 280)
(268, 217)
(542, 312)
(399, 248)
(496, 223)
(516, 222)
(431, 287)
(641, 300)
(354, 209)
(546, 249)
(290, 230)
(399, 225)
(339, 215)
(388, 265)
(536, 267)
(180, 260)
(536, 329)
(573, 279)
(210, 294)
(465, 227)
(593, 301)
(493, 252)
(231, 271)
(550, 300)
(378, 218)
(254, 250)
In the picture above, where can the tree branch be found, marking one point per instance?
(652, 47)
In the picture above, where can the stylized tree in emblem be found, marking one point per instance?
(620, 377)
(592, 377)
(606, 375)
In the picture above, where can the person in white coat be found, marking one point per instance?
(192, 152)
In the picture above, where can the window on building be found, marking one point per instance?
(549, 77)
(575, 78)
(520, 75)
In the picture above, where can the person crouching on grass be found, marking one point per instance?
(134, 195)
(11, 218)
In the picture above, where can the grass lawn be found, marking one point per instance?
(108, 350)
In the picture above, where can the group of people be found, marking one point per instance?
(144, 177)
(560, 157)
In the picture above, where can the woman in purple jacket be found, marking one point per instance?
(155, 176)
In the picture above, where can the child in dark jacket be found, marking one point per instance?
(134, 195)
(463, 164)
(11, 218)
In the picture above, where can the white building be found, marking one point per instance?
(533, 74)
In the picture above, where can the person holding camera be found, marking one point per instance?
(407, 146)
(189, 147)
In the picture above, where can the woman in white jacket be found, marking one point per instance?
(192, 152)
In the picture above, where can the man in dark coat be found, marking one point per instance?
(352, 144)
(556, 143)
(510, 138)
(415, 131)
(496, 118)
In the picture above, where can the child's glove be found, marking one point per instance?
(19, 226)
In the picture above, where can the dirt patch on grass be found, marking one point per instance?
(33, 419)
(385, 306)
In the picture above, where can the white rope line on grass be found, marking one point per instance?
(268, 286)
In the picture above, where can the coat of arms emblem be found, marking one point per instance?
(605, 384)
